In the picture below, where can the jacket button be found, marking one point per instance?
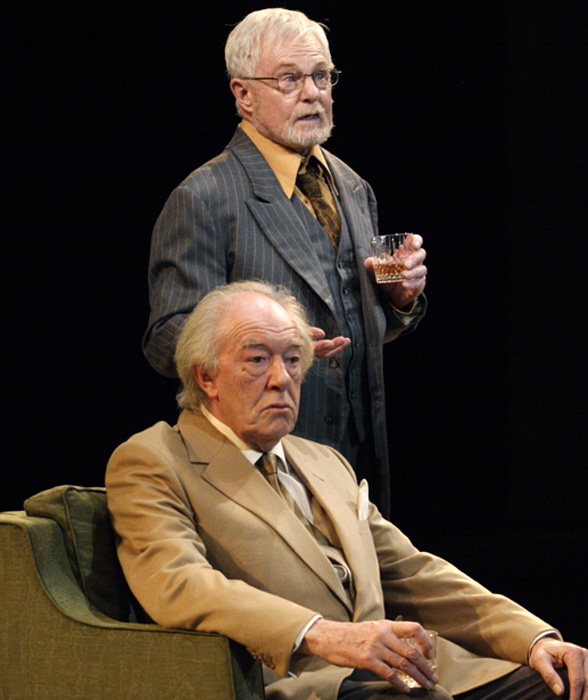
(329, 420)
(334, 363)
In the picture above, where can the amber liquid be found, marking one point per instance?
(389, 271)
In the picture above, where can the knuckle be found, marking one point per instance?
(577, 682)
(404, 664)
(413, 655)
(393, 678)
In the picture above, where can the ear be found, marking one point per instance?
(205, 381)
(241, 89)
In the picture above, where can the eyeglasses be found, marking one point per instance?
(293, 80)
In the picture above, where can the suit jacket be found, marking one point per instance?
(230, 220)
(205, 543)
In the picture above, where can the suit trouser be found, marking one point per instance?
(522, 684)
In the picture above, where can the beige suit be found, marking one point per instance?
(205, 543)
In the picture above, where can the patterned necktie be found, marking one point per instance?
(269, 462)
(325, 211)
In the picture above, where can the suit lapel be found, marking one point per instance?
(368, 593)
(354, 206)
(278, 219)
(224, 467)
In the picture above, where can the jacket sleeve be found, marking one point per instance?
(423, 587)
(188, 258)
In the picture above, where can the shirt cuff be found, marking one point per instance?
(405, 312)
(300, 637)
(547, 633)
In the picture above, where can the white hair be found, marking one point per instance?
(274, 25)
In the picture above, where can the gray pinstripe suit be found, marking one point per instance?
(230, 220)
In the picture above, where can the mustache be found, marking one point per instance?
(304, 111)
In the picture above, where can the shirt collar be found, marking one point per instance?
(247, 451)
(283, 161)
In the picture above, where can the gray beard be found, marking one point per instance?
(299, 140)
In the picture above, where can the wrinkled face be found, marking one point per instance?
(256, 390)
(296, 120)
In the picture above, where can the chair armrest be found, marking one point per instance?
(54, 645)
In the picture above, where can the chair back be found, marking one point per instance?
(83, 516)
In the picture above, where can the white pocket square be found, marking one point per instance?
(363, 500)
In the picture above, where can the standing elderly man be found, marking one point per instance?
(227, 523)
(275, 206)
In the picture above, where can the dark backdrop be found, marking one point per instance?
(468, 120)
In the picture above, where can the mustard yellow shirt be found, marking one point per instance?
(285, 164)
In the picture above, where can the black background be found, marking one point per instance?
(468, 118)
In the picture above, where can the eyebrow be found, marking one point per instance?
(294, 66)
(252, 345)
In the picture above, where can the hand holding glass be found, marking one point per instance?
(432, 658)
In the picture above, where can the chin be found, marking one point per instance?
(280, 428)
(271, 432)
(307, 139)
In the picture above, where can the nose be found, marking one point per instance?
(278, 378)
(309, 92)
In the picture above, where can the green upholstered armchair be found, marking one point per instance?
(71, 630)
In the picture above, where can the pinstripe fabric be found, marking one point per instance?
(230, 220)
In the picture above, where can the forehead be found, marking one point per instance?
(258, 320)
(303, 50)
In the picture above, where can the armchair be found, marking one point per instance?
(71, 630)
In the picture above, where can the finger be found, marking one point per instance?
(418, 658)
(340, 342)
(327, 348)
(322, 348)
(585, 690)
(400, 671)
(410, 650)
(316, 332)
(552, 678)
(415, 242)
(411, 289)
(576, 661)
(390, 670)
(417, 272)
(415, 260)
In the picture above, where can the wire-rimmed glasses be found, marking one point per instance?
(293, 80)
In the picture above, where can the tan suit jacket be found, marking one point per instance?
(205, 543)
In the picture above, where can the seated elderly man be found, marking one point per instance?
(226, 523)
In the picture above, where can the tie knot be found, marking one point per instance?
(270, 463)
(309, 171)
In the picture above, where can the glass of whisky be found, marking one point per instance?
(389, 253)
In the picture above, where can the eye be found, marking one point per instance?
(292, 77)
(293, 360)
